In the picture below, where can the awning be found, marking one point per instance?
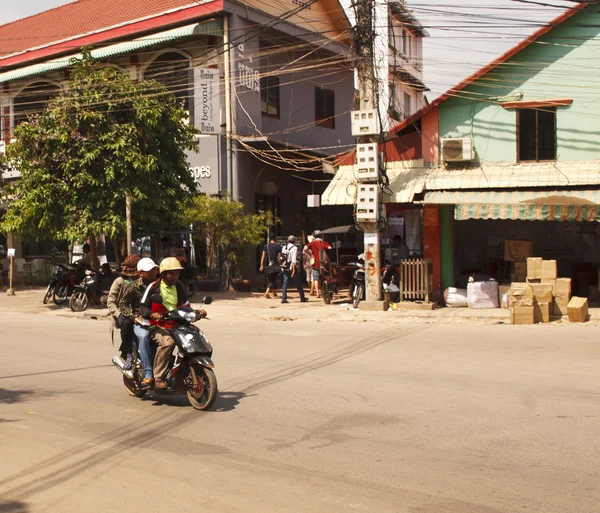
(524, 205)
(407, 178)
(210, 27)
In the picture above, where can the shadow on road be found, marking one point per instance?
(13, 507)
(227, 401)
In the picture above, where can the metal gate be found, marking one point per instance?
(414, 280)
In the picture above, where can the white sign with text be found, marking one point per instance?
(207, 100)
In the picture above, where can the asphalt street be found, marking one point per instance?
(312, 416)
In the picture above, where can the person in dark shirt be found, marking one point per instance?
(270, 255)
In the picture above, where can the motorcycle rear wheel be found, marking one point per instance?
(131, 389)
(209, 389)
(60, 294)
(48, 294)
(358, 294)
(79, 301)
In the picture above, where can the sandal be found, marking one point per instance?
(267, 296)
(160, 383)
(148, 382)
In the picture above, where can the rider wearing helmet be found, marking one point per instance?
(173, 294)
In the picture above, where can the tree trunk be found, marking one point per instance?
(94, 261)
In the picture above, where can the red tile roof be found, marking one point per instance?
(78, 18)
(492, 65)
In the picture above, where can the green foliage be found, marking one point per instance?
(223, 224)
(101, 138)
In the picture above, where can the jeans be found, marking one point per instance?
(145, 349)
(297, 279)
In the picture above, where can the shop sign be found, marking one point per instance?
(204, 164)
(208, 100)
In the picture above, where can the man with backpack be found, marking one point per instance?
(292, 270)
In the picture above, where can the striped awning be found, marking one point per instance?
(209, 27)
(524, 205)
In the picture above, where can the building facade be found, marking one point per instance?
(269, 85)
(510, 153)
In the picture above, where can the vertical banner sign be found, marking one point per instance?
(207, 100)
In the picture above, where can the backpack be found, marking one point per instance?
(285, 256)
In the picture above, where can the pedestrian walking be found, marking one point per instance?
(271, 253)
(306, 258)
(292, 271)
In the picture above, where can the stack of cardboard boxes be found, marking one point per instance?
(544, 294)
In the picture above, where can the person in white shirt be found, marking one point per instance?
(292, 270)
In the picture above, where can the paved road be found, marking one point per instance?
(313, 417)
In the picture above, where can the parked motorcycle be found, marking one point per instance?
(89, 290)
(357, 287)
(358, 284)
(61, 284)
(191, 368)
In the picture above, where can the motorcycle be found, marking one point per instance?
(90, 289)
(191, 368)
(358, 288)
(61, 284)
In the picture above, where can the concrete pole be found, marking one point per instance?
(367, 85)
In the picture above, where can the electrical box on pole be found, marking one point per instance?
(367, 162)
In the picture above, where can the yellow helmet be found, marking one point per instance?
(170, 264)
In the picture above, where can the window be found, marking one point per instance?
(407, 105)
(173, 70)
(324, 107)
(33, 100)
(269, 96)
(536, 134)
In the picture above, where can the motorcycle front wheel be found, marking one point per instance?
(61, 294)
(48, 294)
(203, 396)
(357, 296)
(79, 301)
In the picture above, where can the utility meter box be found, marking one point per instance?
(367, 203)
(367, 161)
(364, 122)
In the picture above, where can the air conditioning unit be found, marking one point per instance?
(367, 161)
(457, 150)
(367, 203)
(364, 122)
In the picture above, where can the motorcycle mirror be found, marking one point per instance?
(207, 300)
(155, 298)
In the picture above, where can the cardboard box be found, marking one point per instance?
(552, 283)
(534, 268)
(562, 288)
(549, 270)
(521, 294)
(517, 250)
(542, 292)
(560, 305)
(578, 309)
(533, 280)
(541, 312)
(521, 315)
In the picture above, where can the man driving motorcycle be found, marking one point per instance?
(173, 294)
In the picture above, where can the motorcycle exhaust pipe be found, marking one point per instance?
(120, 364)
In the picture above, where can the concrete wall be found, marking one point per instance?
(558, 65)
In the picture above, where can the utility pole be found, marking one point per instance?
(129, 222)
(366, 126)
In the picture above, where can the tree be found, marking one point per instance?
(101, 139)
(227, 229)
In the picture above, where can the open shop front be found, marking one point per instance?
(554, 225)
